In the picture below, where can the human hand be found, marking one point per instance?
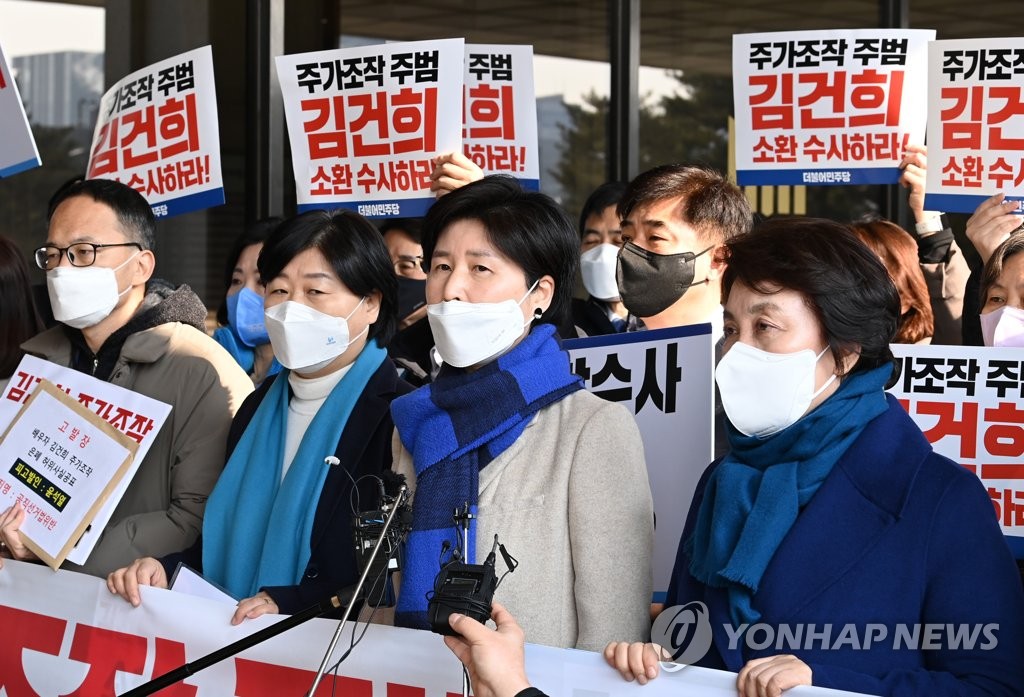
(915, 166)
(769, 677)
(251, 608)
(494, 657)
(991, 223)
(11, 544)
(452, 171)
(635, 660)
(125, 582)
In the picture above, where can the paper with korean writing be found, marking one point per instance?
(500, 130)
(976, 133)
(663, 377)
(18, 150)
(969, 402)
(60, 462)
(828, 107)
(157, 132)
(136, 415)
(364, 122)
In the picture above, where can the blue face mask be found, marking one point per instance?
(245, 315)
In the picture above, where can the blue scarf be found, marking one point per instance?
(243, 355)
(257, 528)
(456, 426)
(754, 495)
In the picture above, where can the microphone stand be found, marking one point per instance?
(189, 669)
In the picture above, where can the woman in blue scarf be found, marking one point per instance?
(506, 430)
(832, 527)
(277, 531)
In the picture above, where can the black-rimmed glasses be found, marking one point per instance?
(79, 254)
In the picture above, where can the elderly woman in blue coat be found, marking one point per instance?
(833, 546)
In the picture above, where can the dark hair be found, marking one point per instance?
(843, 282)
(354, 250)
(18, 317)
(257, 233)
(1011, 246)
(412, 227)
(716, 208)
(527, 227)
(608, 194)
(897, 249)
(133, 213)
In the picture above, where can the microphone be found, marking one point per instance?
(368, 534)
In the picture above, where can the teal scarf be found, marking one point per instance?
(754, 495)
(257, 528)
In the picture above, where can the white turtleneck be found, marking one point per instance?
(308, 395)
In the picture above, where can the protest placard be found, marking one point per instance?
(157, 132)
(60, 462)
(968, 402)
(664, 378)
(364, 122)
(976, 129)
(828, 107)
(500, 130)
(18, 150)
(137, 416)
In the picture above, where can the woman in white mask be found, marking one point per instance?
(506, 431)
(331, 301)
(832, 513)
(1002, 294)
(600, 241)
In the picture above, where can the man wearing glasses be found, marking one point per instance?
(118, 325)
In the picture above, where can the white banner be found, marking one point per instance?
(157, 132)
(976, 129)
(364, 122)
(828, 107)
(969, 402)
(65, 634)
(664, 378)
(18, 150)
(137, 416)
(500, 133)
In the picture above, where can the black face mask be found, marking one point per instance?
(411, 295)
(651, 283)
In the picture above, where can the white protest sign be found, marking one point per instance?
(500, 133)
(18, 150)
(976, 129)
(664, 378)
(364, 122)
(136, 415)
(969, 402)
(828, 107)
(157, 132)
(64, 633)
(60, 462)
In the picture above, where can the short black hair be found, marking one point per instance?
(353, 248)
(1010, 247)
(527, 227)
(133, 213)
(19, 320)
(257, 233)
(410, 226)
(608, 194)
(842, 281)
(716, 208)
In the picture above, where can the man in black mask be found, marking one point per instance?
(410, 347)
(674, 220)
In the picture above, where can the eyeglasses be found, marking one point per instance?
(79, 254)
(408, 264)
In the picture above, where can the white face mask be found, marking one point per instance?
(597, 266)
(303, 338)
(763, 392)
(467, 334)
(1003, 327)
(82, 297)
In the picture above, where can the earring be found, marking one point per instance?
(537, 313)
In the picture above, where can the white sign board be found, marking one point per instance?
(18, 150)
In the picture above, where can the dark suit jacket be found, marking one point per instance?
(896, 534)
(364, 448)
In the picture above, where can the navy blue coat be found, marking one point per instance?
(896, 534)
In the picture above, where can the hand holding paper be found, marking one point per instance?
(11, 521)
(141, 572)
